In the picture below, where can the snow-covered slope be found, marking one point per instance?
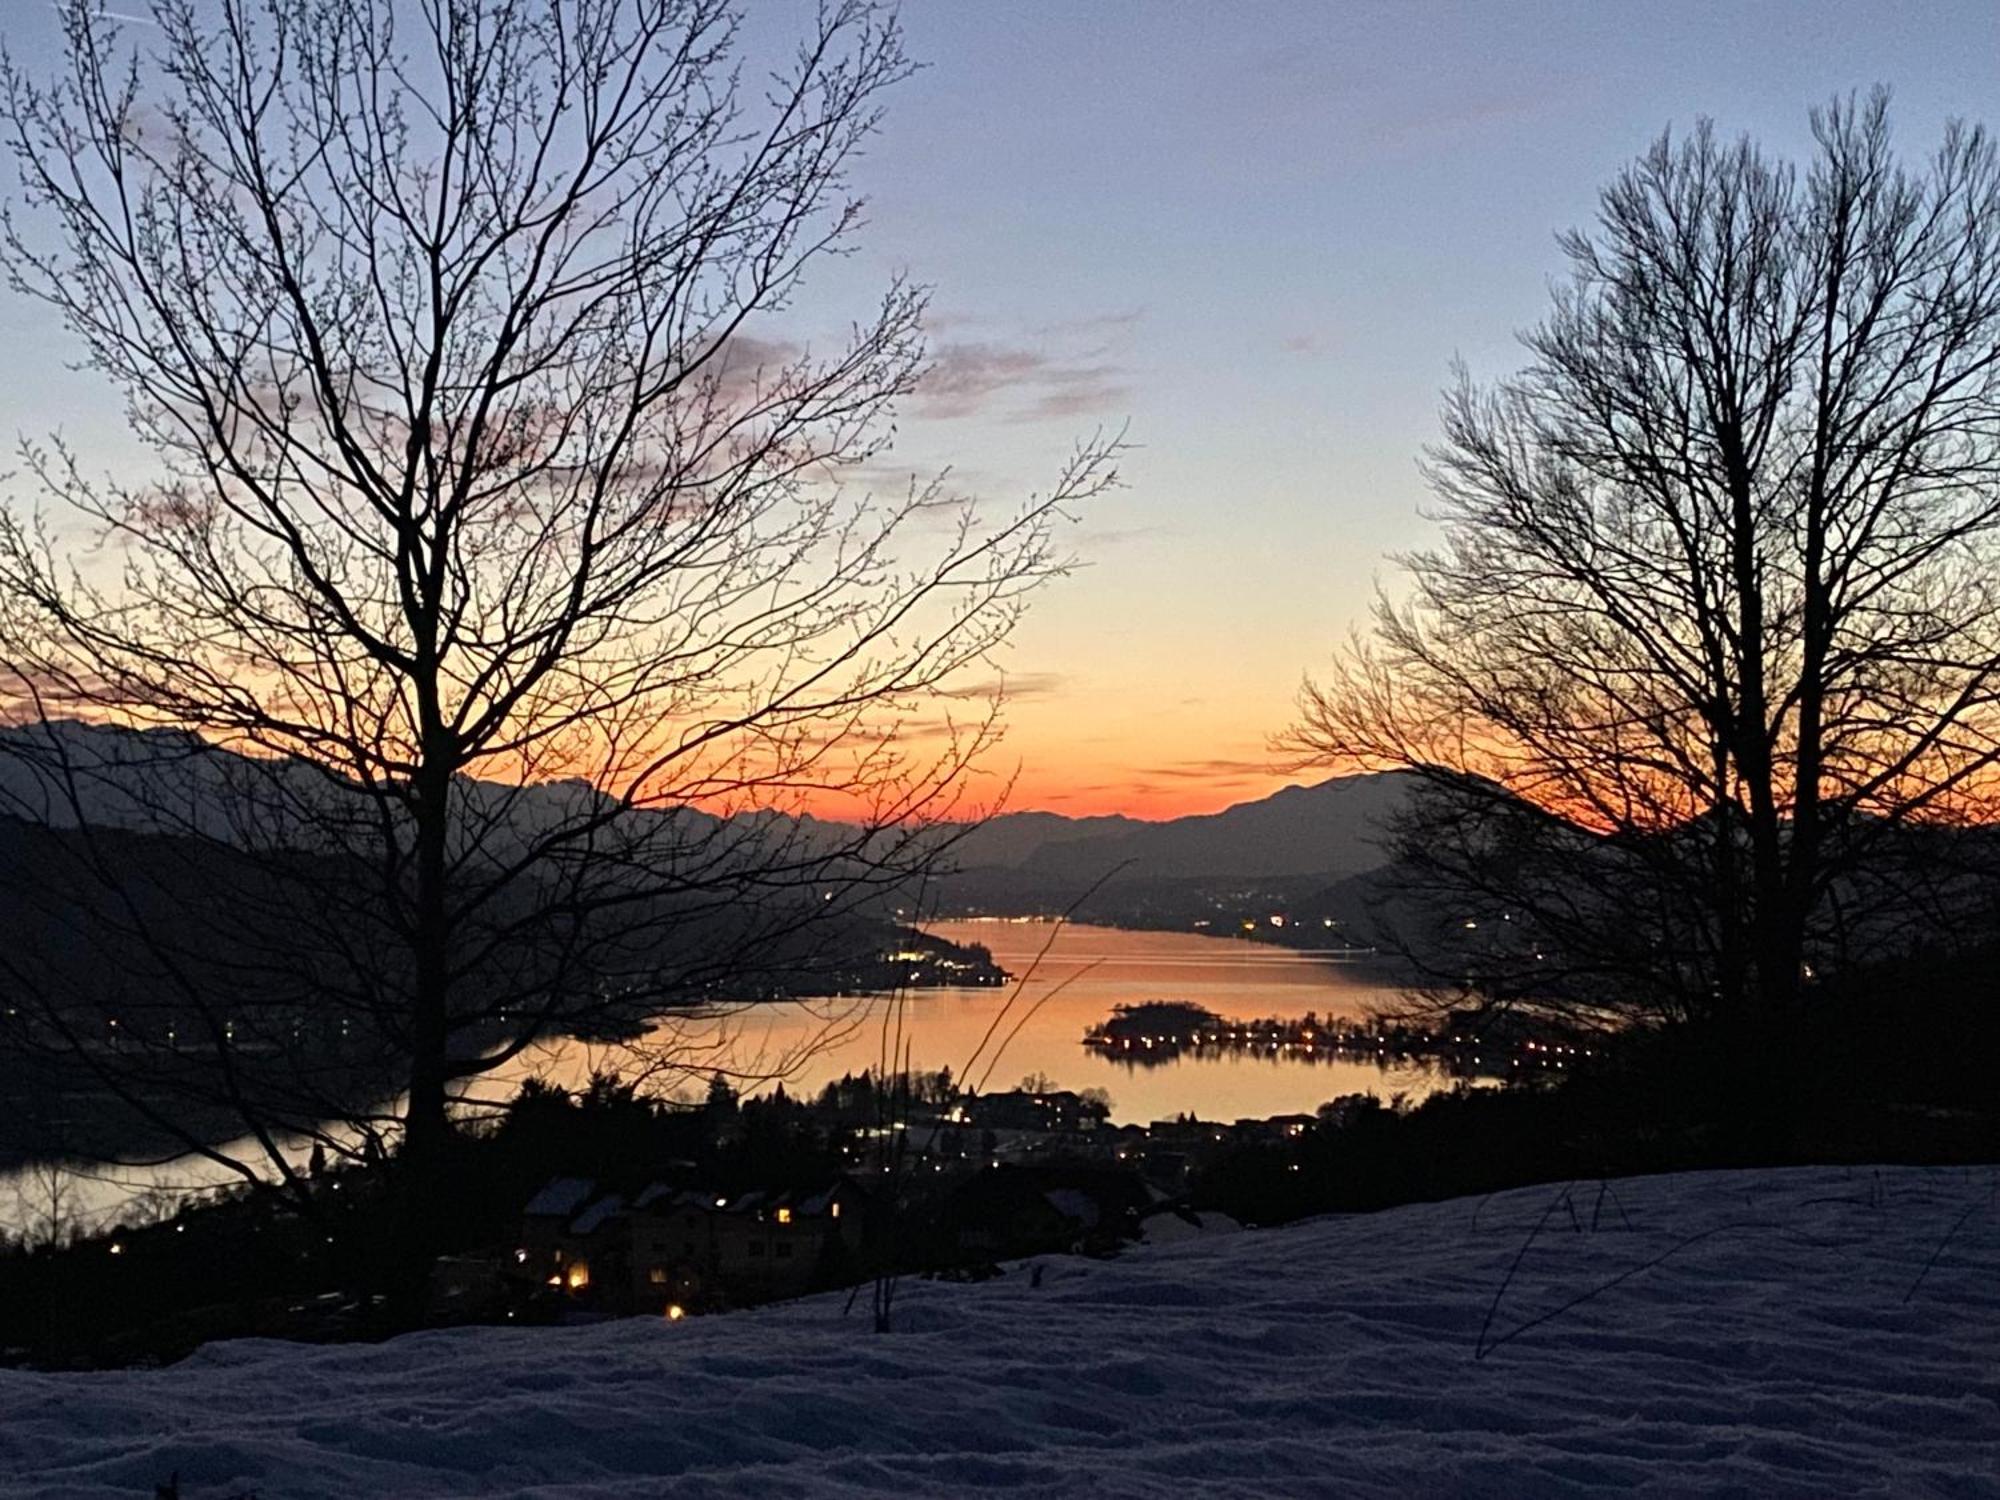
(1811, 1333)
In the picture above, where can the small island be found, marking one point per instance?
(1152, 1032)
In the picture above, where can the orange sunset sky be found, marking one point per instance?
(1256, 237)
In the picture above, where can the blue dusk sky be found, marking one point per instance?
(1258, 234)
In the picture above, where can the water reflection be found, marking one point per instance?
(993, 1038)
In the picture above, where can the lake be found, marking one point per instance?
(1084, 972)
(1035, 1025)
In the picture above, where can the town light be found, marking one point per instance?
(579, 1276)
(784, 1216)
(675, 1312)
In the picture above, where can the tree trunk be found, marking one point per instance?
(421, 1167)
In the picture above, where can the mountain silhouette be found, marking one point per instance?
(165, 781)
(1331, 828)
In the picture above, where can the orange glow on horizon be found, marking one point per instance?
(1140, 800)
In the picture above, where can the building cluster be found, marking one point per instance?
(1025, 1128)
(980, 1179)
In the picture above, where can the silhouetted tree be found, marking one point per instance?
(722, 1096)
(498, 538)
(1712, 637)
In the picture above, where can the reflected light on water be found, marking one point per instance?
(1086, 971)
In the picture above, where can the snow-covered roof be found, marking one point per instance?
(660, 1198)
(593, 1218)
(1074, 1203)
(560, 1197)
(1169, 1226)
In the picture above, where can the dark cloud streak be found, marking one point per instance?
(1062, 370)
(1015, 687)
(1212, 770)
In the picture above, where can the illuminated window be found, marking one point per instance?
(784, 1216)
(657, 1275)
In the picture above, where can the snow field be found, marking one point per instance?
(1814, 1332)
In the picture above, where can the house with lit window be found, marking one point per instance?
(549, 1250)
(1020, 1109)
(689, 1247)
(694, 1248)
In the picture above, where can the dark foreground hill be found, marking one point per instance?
(1782, 1333)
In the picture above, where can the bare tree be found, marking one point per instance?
(501, 591)
(1711, 643)
(45, 1213)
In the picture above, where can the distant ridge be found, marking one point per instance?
(1331, 828)
(169, 782)
(1010, 840)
